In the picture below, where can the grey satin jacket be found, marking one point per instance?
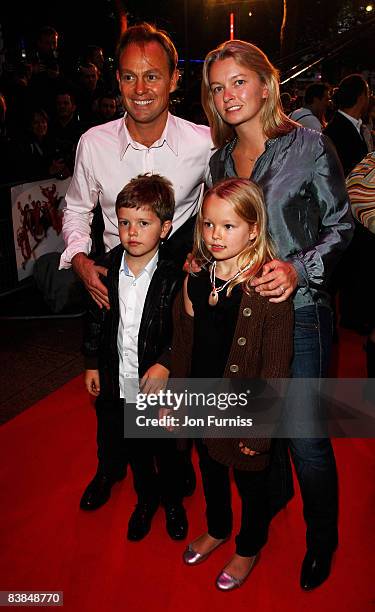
(309, 214)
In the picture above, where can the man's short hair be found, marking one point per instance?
(315, 90)
(146, 33)
(46, 30)
(349, 90)
(65, 91)
(111, 95)
(87, 66)
(150, 190)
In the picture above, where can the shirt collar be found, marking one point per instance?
(356, 122)
(227, 150)
(169, 136)
(149, 268)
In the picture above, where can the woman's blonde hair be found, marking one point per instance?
(248, 203)
(275, 122)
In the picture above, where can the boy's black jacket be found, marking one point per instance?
(155, 332)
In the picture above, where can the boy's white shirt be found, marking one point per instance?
(132, 293)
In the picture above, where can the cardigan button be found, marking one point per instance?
(246, 312)
(241, 341)
(234, 367)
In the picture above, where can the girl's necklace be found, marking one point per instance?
(213, 298)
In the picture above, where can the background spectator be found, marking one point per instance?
(46, 74)
(66, 128)
(344, 129)
(106, 108)
(316, 102)
(369, 125)
(286, 102)
(35, 157)
(87, 93)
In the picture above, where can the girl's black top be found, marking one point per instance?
(214, 326)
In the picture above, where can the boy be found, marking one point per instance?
(131, 341)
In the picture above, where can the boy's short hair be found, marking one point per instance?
(150, 190)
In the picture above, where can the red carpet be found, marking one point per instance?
(47, 543)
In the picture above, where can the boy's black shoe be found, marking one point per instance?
(189, 480)
(140, 521)
(176, 521)
(98, 491)
(315, 570)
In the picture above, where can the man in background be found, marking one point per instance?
(316, 102)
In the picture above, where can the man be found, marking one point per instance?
(316, 102)
(65, 110)
(147, 139)
(88, 92)
(45, 53)
(66, 129)
(344, 129)
(286, 101)
(88, 76)
(107, 108)
(46, 72)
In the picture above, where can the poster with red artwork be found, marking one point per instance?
(37, 221)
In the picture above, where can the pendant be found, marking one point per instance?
(213, 298)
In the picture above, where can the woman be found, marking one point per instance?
(37, 156)
(311, 225)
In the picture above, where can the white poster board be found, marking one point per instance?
(37, 221)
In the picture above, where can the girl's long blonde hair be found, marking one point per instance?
(248, 203)
(274, 121)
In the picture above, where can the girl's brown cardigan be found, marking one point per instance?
(262, 348)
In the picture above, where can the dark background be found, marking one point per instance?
(196, 26)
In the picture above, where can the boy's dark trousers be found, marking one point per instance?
(156, 464)
(113, 456)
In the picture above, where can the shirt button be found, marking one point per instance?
(241, 341)
(246, 312)
(234, 368)
(134, 284)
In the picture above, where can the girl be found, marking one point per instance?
(223, 328)
(310, 222)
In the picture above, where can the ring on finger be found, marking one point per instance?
(282, 289)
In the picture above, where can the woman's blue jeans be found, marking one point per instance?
(313, 458)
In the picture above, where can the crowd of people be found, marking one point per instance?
(262, 257)
(46, 106)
